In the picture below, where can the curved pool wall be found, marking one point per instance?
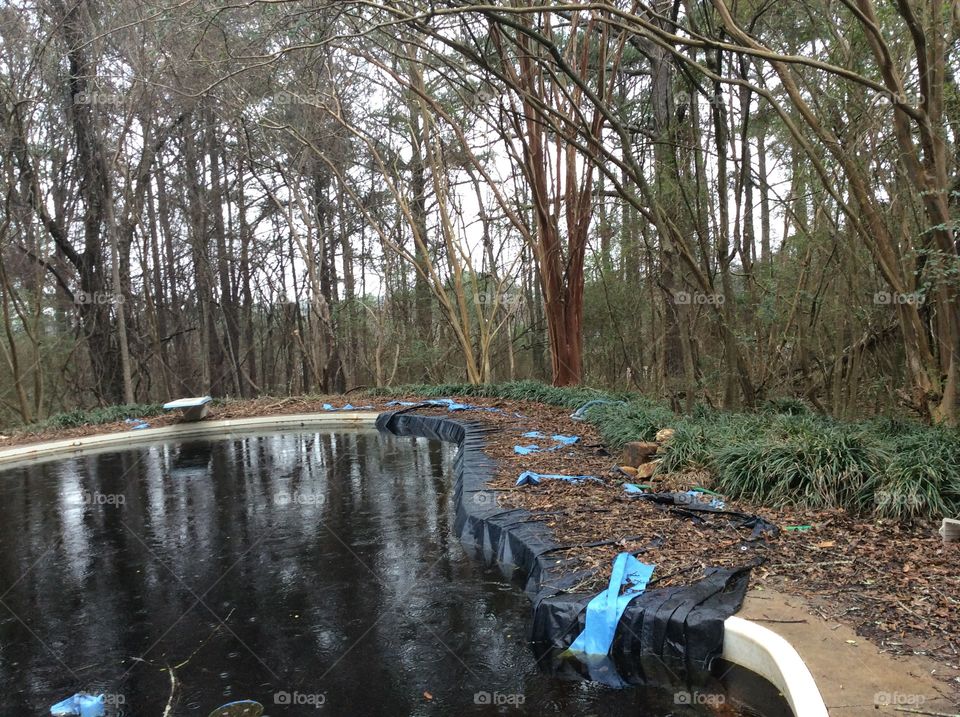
(505, 537)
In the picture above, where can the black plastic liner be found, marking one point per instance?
(687, 506)
(665, 635)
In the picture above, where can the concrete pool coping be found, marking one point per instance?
(181, 431)
(745, 643)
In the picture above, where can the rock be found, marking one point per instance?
(629, 469)
(646, 470)
(664, 435)
(638, 452)
(950, 530)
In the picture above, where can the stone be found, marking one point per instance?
(638, 452)
(664, 435)
(950, 530)
(647, 469)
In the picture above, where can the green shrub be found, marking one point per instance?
(97, 416)
(922, 477)
(788, 405)
(638, 420)
(692, 447)
(572, 397)
(806, 467)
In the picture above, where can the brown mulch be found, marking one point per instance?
(898, 585)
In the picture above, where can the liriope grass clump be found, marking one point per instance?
(97, 416)
(786, 406)
(572, 397)
(809, 463)
(638, 420)
(922, 477)
(691, 447)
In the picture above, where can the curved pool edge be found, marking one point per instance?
(764, 652)
(520, 548)
(65, 448)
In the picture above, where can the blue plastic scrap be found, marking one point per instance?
(80, 705)
(605, 610)
(559, 440)
(526, 450)
(531, 478)
(348, 407)
(633, 488)
(700, 495)
(136, 424)
(450, 404)
(581, 412)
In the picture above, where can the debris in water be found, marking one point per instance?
(241, 708)
(80, 705)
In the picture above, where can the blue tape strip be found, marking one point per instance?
(605, 610)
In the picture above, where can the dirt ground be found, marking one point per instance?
(896, 585)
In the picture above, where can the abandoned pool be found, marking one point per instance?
(309, 569)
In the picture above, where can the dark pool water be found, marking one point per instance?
(317, 573)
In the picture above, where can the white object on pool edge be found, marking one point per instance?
(187, 402)
(193, 408)
(765, 653)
